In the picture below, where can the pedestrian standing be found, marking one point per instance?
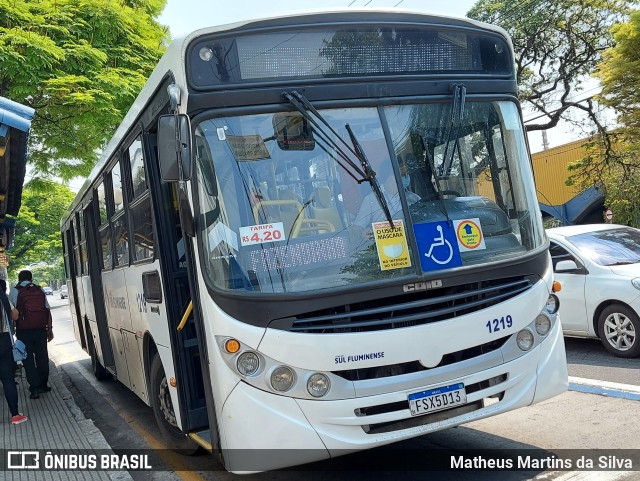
(7, 364)
(33, 327)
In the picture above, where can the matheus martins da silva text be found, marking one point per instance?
(550, 462)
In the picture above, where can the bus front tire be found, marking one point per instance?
(98, 369)
(164, 414)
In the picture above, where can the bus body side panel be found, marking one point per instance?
(145, 317)
(118, 319)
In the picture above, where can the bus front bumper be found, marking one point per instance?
(277, 431)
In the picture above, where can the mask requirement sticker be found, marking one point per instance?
(391, 243)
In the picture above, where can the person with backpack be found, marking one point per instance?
(7, 364)
(33, 327)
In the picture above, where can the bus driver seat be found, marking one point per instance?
(287, 208)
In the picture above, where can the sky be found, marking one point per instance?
(184, 16)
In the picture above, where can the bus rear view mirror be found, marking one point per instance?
(293, 132)
(174, 147)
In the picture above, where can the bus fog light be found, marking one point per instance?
(524, 339)
(553, 304)
(248, 363)
(543, 324)
(231, 346)
(282, 378)
(318, 385)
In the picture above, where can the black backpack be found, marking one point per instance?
(33, 308)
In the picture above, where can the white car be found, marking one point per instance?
(598, 266)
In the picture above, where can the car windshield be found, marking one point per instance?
(282, 210)
(610, 247)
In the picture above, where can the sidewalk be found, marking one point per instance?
(55, 423)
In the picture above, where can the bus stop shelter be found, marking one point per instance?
(15, 123)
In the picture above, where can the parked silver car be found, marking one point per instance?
(599, 268)
(64, 292)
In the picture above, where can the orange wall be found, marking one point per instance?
(550, 171)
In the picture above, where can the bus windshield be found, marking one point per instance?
(282, 211)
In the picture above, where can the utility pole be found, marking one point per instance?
(545, 141)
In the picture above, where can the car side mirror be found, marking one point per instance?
(566, 266)
(174, 147)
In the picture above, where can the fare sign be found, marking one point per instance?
(259, 234)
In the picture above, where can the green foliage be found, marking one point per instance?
(560, 44)
(37, 237)
(615, 167)
(557, 44)
(52, 275)
(619, 73)
(80, 64)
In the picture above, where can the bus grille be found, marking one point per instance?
(410, 309)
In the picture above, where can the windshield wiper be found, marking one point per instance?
(364, 171)
(370, 175)
(457, 112)
(428, 158)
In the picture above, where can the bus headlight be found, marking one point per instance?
(524, 339)
(318, 385)
(248, 363)
(543, 324)
(553, 304)
(282, 378)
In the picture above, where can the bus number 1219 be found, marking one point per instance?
(496, 325)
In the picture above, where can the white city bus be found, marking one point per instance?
(316, 234)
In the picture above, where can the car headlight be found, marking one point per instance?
(543, 324)
(318, 385)
(248, 363)
(282, 378)
(524, 339)
(636, 283)
(267, 374)
(553, 304)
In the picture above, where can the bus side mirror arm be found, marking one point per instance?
(174, 147)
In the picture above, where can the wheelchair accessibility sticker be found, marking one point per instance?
(438, 246)
(391, 244)
(469, 234)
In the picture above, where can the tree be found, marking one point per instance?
(80, 65)
(558, 44)
(619, 73)
(38, 238)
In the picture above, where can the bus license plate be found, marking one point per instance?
(432, 400)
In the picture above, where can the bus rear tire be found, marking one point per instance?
(164, 414)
